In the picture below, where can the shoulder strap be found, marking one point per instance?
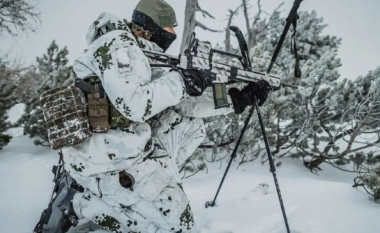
(297, 69)
(88, 88)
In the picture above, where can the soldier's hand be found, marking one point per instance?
(245, 97)
(196, 81)
(259, 89)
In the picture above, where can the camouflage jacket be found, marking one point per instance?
(138, 92)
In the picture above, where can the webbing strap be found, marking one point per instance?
(297, 69)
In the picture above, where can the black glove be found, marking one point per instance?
(242, 99)
(196, 81)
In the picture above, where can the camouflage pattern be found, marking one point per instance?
(64, 110)
(115, 119)
(150, 149)
(139, 31)
(160, 12)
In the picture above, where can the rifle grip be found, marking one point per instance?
(220, 95)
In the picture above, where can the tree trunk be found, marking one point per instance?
(190, 22)
(314, 164)
(227, 41)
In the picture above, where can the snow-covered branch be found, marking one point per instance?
(258, 26)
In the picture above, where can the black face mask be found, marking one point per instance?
(159, 36)
(163, 38)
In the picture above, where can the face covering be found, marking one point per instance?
(159, 36)
(163, 38)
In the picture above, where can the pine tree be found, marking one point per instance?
(4, 125)
(17, 16)
(293, 115)
(325, 120)
(28, 84)
(370, 182)
(8, 98)
(284, 113)
(54, 71)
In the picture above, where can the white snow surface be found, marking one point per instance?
(314, 204)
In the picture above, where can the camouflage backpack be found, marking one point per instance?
(65, 114)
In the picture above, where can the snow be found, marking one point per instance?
(326, 203)
(312, 204)
(15, 112)
(26, 183)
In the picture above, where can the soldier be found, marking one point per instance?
(130, 173)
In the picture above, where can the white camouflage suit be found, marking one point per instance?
(156, 202)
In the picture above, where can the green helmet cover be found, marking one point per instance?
(160, 12)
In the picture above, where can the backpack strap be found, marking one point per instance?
(89, 88)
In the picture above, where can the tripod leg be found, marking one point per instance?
(212, 204)
(272, 167)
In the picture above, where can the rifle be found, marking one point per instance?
(200, 55)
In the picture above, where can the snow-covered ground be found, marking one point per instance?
(326, 203)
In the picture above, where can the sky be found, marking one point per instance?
(67, 21)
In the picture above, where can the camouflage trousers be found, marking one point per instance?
(156, 203)
(142, 217)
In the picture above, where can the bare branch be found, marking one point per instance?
(204, 12)
(270, 18)
(190, 22)
(204, 27)
(17, 15)
(278, 8)
(227, 41)
(334, 139)
(220, 145)
(256, 27)
(246, 15)
(257, 16)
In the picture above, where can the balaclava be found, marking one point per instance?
(154, 15)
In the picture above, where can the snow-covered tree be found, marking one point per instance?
(17, 15)
(319, 64)
(257, 28)
(342, 125)
(8, 100)
(54, 71)
(4, 125)
(28, 84)
(8, 75)
(296, 113)
(370, 182)
(325, 120)
(222, 131)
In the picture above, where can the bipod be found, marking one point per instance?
(212, 204)
(271, 163)
(290, 20)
